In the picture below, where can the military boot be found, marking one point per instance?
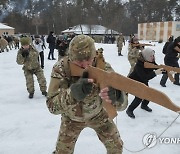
(146, 108)
(176, 83)
(44, 93)
(130, 114)
(31, 95)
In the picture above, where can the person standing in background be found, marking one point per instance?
(38, 44)
(43, 42)
(170, 40)
(133, 52)
(51, 39)
(120, 42)
(171, 59)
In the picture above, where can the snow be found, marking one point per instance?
(2, 26)
(93, 29)
(27, 127)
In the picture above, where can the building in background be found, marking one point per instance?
(158, 31)
(91, 30)
(96, 31)
(6, 29)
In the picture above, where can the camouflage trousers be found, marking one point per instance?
(3, 48)
(120, 48)
(30, 80)
(104, 127)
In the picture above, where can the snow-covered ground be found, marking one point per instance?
(27, 127)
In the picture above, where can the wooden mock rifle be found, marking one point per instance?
(141, 44)
(165, 67)
(117, 81)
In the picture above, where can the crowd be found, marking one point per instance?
(79, 99)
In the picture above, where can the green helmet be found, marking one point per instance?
(25, 41)
(81, 48)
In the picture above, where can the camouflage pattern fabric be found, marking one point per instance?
(82, 47)
(76, 115)
(120, 41)
(133, 54)
(31, 62)
(3, 44)
(30, 80)
(31, 66)
(104, 127)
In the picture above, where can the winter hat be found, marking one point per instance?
(147, 54)
(82, 48)
(51, 32)
(134, 39)
(25, 41)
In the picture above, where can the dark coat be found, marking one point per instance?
(165, 47)
(51, 41)
(142, 74)
(170, 58)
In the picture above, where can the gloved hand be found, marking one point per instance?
(158, 71)
(25, 53)
(82, 88)
(114, 94)
(110, 94)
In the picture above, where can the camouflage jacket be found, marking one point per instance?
(120, 41)
(31, 61)
(60, 100)
(133, 53)
(3, 43)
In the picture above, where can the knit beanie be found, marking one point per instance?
(25, 41)
(147, 54)
(81, 48)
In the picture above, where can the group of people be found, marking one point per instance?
(138, 54)
(61, 43)
(79, 100)
(8, 42)
(171, 50)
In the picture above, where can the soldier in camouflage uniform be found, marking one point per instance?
(133, 53)
(3, 44)
(120, 41)
(28, 57)
(79, 100)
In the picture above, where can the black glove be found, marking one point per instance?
(25, 53)
(82, 88)
(114, 94)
